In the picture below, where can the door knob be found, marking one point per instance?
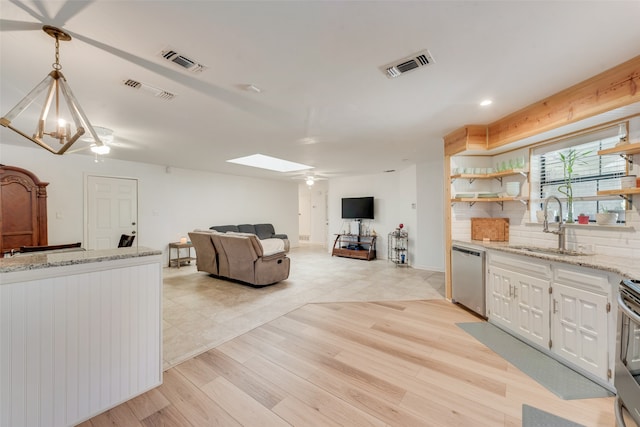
(133, 223)
(133, 232)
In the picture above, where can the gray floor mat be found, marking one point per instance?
(557, 378)
(534, 417)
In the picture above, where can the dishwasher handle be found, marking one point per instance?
(466, 251)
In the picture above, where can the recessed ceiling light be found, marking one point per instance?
(270, 163)
(252, 88)
(308, 140)
(486, 102)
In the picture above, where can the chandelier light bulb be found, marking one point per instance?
(100, 149)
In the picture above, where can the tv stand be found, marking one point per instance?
(354, 246)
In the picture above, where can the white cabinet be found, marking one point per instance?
(580, 320)
(563, 310)
(520, 302)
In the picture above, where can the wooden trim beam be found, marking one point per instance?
(470, 137)
(611, 89)
(447, 227)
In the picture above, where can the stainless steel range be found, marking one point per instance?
(627, 374)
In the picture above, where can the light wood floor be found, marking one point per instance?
(351, 364)
(201, 312)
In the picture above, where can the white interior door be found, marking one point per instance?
(304, 214)
(112, 210)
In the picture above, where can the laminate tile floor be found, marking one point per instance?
(390, 363)
(201, 312)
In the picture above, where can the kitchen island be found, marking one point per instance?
(80, 332)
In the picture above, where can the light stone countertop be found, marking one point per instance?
(626, 267)
(52, 259)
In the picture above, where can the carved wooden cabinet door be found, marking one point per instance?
(23, 209)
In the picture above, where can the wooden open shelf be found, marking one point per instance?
(490, 175)
(626, 149)
(490, 199)
(620, 192)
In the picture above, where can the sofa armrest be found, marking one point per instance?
(269, 270)
(206, 255)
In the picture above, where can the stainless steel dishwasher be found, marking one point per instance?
(468, 278)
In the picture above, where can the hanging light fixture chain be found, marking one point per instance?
(56, 65)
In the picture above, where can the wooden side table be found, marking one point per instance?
(178, 260)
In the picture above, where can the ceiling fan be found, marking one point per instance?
(310, 178)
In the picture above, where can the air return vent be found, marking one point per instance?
(407, 64)
(183, 61)
(158, 93)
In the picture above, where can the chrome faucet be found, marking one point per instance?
(561, 227)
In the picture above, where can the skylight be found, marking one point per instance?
(270, 163)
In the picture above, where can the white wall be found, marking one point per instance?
(313, 211)
(170, 204)
(430, 195)
(412, 196)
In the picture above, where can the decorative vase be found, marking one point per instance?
(569, 211)
(569, 159)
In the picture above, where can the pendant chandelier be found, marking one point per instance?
(64, 130)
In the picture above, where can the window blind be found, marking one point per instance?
(591, 172)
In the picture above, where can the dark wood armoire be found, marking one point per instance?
(23, 209)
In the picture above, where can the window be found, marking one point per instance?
(591, 173)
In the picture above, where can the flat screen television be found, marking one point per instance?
(357, 208)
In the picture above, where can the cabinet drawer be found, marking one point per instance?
(521, 264)
(582, 278)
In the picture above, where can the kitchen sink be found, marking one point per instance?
(549, 251)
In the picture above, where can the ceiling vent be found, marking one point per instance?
(183, 61)
(407, 64)
(158, 93)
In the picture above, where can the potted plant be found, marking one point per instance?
(606, 217)
(583, 219)
(569, 159)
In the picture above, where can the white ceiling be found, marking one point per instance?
(318, 65)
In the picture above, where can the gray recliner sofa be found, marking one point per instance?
(240, 256)
(263, 231)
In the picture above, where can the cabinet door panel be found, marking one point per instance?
(579, 328)
(501, 297)
(533, 308)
